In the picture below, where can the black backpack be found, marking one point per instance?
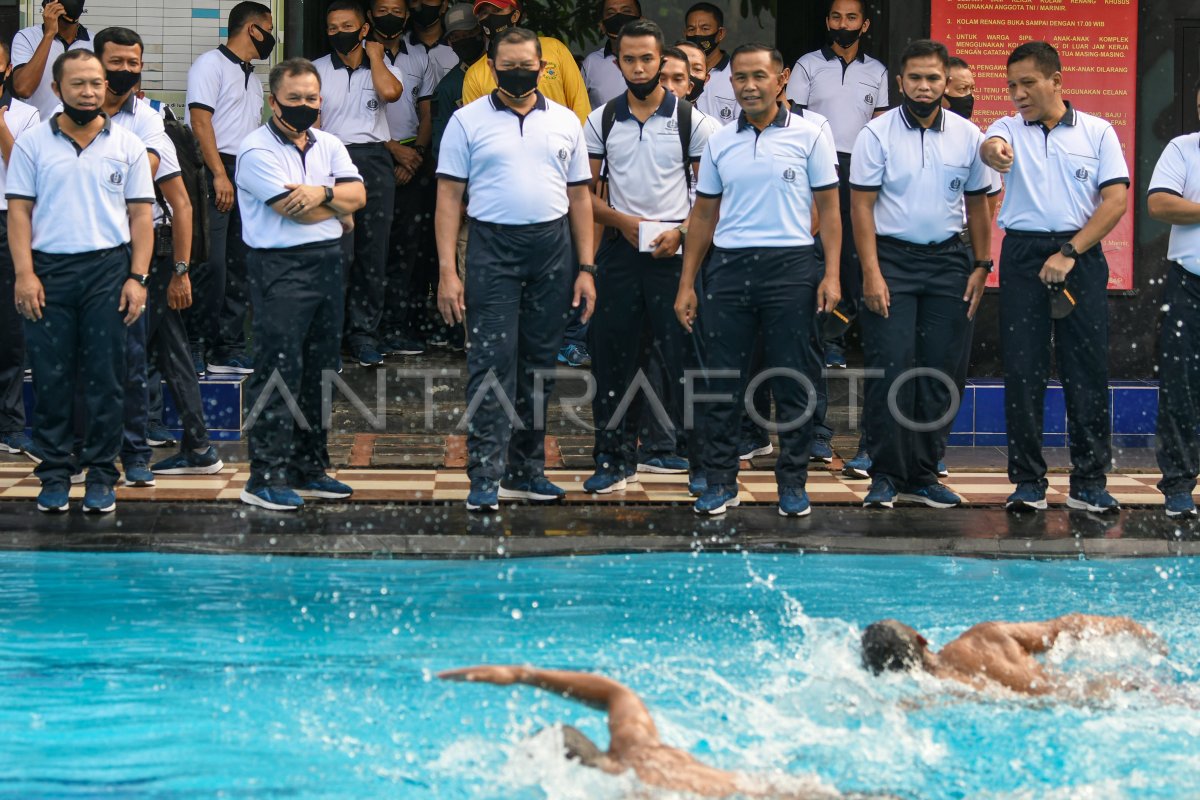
(609, 118)
(191, 168)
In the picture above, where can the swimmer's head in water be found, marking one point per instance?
(580, 748)
(891, 645)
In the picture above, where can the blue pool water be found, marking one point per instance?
(155, 676)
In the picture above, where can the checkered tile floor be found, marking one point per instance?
(422, 486)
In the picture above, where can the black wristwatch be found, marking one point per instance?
(181, 268)
(989, 265)
(141, 279)
(590, 269)
(328, 195)
(1069, 250)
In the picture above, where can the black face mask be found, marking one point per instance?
(427, 16)
(517, 83)
(121, 81)
(265, 45)
(613, 25)
(697, 89)
(922, 108)
(496, 24)
(643, 90)
(80, 116)
(344, 42)
(469, 50)
(706, 43)
(6, 97)
(298, 118)
(389, 26)
(72, 10)
(963, 106)
(844, 37)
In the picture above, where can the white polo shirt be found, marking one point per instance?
(816, 119)
(1178, 173)
(266, 163)
(442, 57)
(921, 174)
(645, 161)
(766, 180)
(602, 76)
(139, 118)
(23, 46)
(350, 108)
(517, 168)
(80, 197)
(20, 118)
(718, 100)
(847, 94)
(418, 73)
(221, 83)
(1057, 174)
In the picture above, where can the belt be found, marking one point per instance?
(496, 226)
(365, 146)
(1040, 234)
(300, 248)
(892, 240)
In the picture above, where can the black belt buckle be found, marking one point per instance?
(1062, 302)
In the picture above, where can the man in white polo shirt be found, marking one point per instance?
(526, 163)
(704, 26)
(296, 186)
(601, 74)
(16, 118)
(647, 175)
(920, 286)
(1174, 198)
(761, 176)
(81, 234)
(1066, 188)
(356, 87)
(427, 30)
(34, 50)
(224, 104)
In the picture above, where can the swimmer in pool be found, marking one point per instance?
(633, 738)
(992, 652)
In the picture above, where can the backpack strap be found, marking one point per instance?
(685, 140)
(607, 120)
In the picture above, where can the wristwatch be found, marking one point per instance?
(590, 269)
(1069, 250)
(141, 279)
(328, 195)
(989, 265)
(682, 231)
(421, 149)
(181, 268)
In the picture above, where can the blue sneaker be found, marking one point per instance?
(664, 465)
(1029, 496)
(697, 485)
(401, 346)
(605, 480)
(324, 488)
(198, 362)
(157, 435)
(716, 500)
(1098, 501)
(138, 474)
(820, 451)
(272, 498)
(536, 489)
(793, 502)
(881, 495)
(942, 472)
(367, 356)
(19, 442)
(234, 365)
(99, 499)
(482, 497)
(1181, 505)
(935, 495)
(749, 450)
(575, 355)
(53, 499)
(835, 359)
(859, 467)
(631, 476)
(189, 463)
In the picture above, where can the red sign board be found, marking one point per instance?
(1097, 40)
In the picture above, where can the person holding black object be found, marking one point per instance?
(1067, 187)
(531, 210)
(81, 234)
(761, 176)
(920, 286)
(298, 189)
(36, 48)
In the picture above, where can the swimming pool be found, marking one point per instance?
(164, 676)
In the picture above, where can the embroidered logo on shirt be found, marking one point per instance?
(789, 175)
(116, 179)
(726, 113)
(672, 125)
(1081, 174)
(955, 184)
(563, 155)
(372, 105)
(869, 99)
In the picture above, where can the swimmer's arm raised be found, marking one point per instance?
(1037, 637)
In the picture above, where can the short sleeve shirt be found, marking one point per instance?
(20, 118)
(848, 95)
(718, 100)
(23, 46)
(1178, 173)
(416, 71)
(602, 76)
(227, 87)
(350, 108)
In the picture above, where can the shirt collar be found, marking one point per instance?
(665, 109)
(827, 51)
(722, 64)
(608, 51)
(130, 104)
(58, 131)
(498, 104)
(246, 66)
(338, 63)
(1069, 119)
(282, 138)
(81, 35)
(782, 119)
(912, 123)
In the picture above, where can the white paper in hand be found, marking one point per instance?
(649, 230)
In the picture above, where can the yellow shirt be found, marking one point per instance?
(561, 82)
